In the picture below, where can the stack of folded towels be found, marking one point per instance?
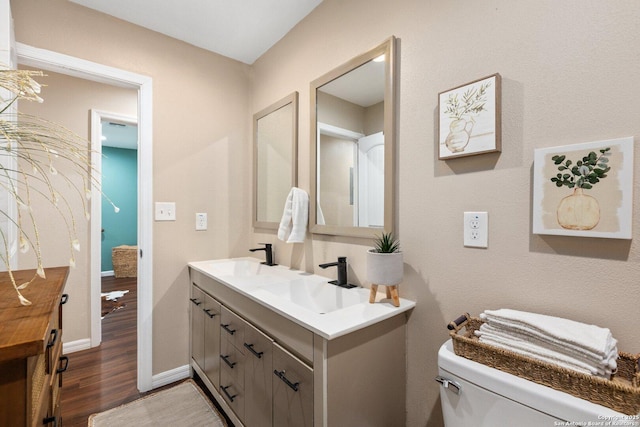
(588, 349)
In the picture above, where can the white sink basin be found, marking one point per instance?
(317, 295)
(239, 268)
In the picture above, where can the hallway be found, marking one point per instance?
(105, 376)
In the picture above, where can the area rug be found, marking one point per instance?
(110, 302)
(183, 405)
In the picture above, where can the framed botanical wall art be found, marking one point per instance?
(469, 118)
(584, 189)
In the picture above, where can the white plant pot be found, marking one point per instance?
(384, 269)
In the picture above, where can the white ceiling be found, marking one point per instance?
(239, 29)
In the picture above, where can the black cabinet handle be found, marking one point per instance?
(63, 360)
(64, 299)
(257, 354)
(208, 311)
(195, 301)
(49, 420)
(226, 360)
(280, 374)
(226, 328)
(224, 390)
(53, 339)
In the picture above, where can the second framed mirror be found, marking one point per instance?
(275, 132)
(353, 146)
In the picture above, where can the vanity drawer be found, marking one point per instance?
(232, 328)
(232, 362)
(232, 393)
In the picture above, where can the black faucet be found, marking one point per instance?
(342, 272)
(268, 251)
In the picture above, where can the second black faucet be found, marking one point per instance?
(342, 272)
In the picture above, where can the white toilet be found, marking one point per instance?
(475, 395)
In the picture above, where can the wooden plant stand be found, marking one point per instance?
(392, 294)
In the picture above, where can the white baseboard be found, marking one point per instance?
(107, 273)
(78, 345)
(171, 376)
(159, 380)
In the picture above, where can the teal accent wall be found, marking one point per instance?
(119, 183)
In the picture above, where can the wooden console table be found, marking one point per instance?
(31, 361)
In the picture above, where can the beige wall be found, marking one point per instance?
(569, 74)
(201, 147)
(68, 101)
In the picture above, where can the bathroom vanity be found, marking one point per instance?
(281, 347)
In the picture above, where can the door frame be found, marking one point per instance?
(96, 214)
(76, 67)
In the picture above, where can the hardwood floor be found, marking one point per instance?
(105, 376)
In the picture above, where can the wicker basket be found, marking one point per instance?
(621, 393)
(125, 261)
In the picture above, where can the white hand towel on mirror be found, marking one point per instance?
(591, 338)
(293, 225)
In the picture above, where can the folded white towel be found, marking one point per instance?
(503, 340)
(545, 358)
(606, 363)
(591, 338)
(293, 225)
(584, 348)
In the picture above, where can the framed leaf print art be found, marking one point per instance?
(469, 118)
(584, 189)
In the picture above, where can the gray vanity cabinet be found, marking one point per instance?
(205, 334)
(292, 390)
(275, 372)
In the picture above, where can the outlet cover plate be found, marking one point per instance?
(476, 229)
(201, 221)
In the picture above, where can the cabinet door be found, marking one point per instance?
(211, 312)
(197, 326)
(258, 377)
(292, 390)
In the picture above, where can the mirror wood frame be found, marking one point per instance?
(387, 48)
(289, 99)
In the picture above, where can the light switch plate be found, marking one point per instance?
(165, 211)
(476, 229)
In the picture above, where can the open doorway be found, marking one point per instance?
(116, 146)
(52, 61)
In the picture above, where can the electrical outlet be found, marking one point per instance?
(201, 221)
(476, 229)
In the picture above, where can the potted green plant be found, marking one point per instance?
(384, 261)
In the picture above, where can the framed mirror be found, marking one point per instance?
(275, 142)
(353, 146)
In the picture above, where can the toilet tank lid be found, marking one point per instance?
(545, 399)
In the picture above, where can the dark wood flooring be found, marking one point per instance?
(105, 376)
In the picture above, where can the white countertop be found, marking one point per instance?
(261, 283)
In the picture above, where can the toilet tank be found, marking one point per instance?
(475, 395)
